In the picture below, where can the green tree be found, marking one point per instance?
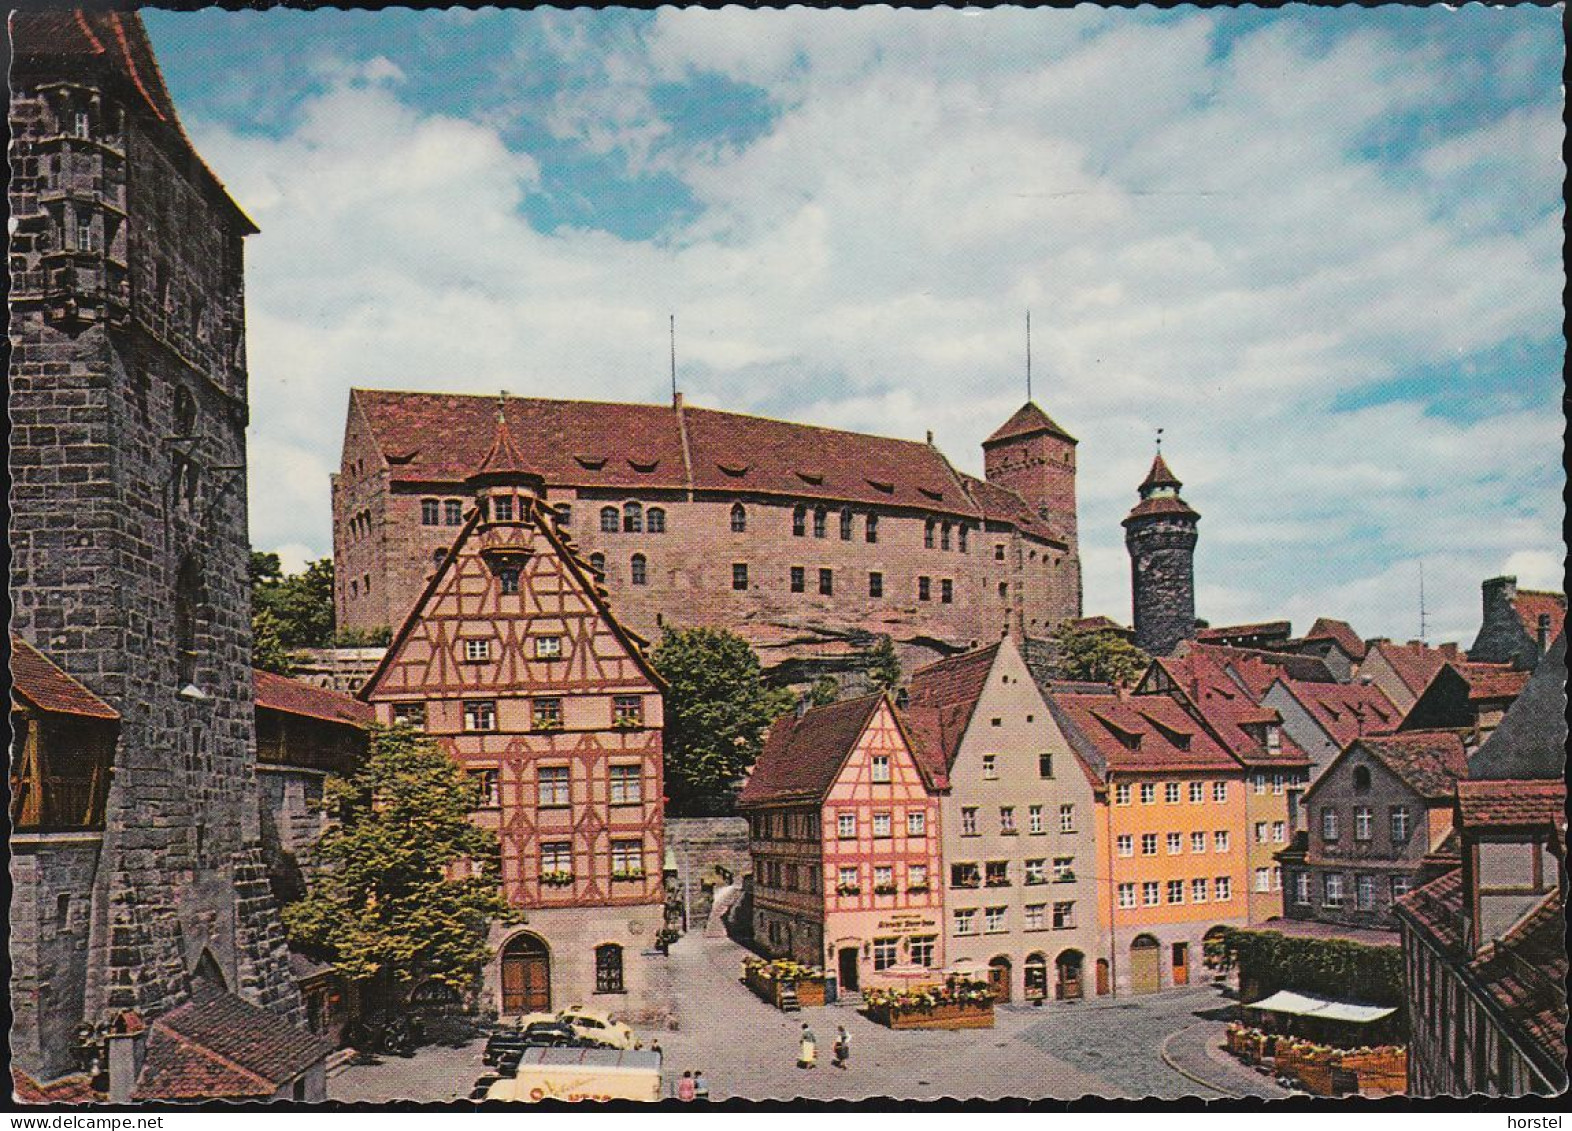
(884, 667)
(301, 604)
(1099, 656)
(267, 647)
(717, 709)
(825, 690)
(384, 905)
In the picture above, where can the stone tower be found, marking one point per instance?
(128, 529)
(1160, 533)
(1034, 457)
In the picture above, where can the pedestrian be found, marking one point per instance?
(685, 1088)
(701, 1087)
(807, 1048)
(842, 1046)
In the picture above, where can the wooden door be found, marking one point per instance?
(1102, 977)
(848, 963)
(1181, 964)
(526, 977)
(999, 979)
(1146, 975)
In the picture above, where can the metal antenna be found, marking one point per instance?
(1422, 617)
(1028, 355)
(673, 359)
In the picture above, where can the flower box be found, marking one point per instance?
(557, 879)
(883, 889)
(768, 979)
(955, 1016)
(848, 889)
(628, 875)
(916, 889)
(958, 1004)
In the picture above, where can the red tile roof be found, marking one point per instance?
(1101, 623)
(1224, 632)
(504, 457)
(1136, 734)
(1160, 504)
(1491, 681)
(1257, 670)
(1004, 506)
(292, 697)
(1531, 604)
(803, 754)
(1232, 714)
(223, 1047)
(1415, 663)
(951, 687)
(1160, 475)
(1429, 762)
(1505, 804)
(1028, 420)
(1525, 974)
(39, 683)
(1437, 907)
(1346, 710)
(76, 1089)
(1341, 633)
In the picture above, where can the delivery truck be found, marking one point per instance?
(582, 1074)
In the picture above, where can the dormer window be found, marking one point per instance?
(502, 508)
(1362, 779)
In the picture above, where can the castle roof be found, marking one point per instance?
(222, 1047)
(1029, 420)
(1160, 505)
(1160, 475)
(428, 438)
(1531, 740)
(38, 682)
(293, 697)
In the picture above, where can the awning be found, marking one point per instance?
(1305, 1005)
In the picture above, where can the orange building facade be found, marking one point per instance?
(843, 813)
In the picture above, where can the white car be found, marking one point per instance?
(598, 1027)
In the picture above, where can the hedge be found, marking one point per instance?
(1269, 961)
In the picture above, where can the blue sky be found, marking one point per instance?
(1320, 247)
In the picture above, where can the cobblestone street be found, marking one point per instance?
(1162, 1045)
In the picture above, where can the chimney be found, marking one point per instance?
(127, 1042)
(676, 401)
(1450, 650)
(1542, 633)
(930, 437)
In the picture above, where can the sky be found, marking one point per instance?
(1319, 248)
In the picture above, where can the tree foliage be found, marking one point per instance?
(825, 690)
(300, 605)
(267, 646)
(1097, 656)
(884, 667)
(1269, 961)
(717, 710)
(386, 901)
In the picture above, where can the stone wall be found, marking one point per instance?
(710, 852)
(1162, 581)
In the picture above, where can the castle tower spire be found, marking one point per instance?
(1160, 534)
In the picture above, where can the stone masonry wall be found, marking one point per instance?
(1162, 566)
(701, 845)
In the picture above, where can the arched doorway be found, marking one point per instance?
(999, 978)
(1069, 986)
(1102, 977)
(1146, 975)
(1036, 971)
(526, 975)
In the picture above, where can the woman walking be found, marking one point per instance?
(842, 1046)
(807, 1048)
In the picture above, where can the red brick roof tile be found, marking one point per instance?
(1346, 710)
(951, 687)
(1531, 604)
(1256, 669)
(803, 753)
(1160, 504)
(1429, 762)
(1028, 420)
(1503, 804)
(1525, 973)
(39, 683)
(74, 1089)
(292, 697)
(1437, 908)
(1415, 663)
(223, 1047)
(1224, 632)
(1491, 681)
(1136, 734)
(1229, 710)
(1341, 633)
(1160, 475)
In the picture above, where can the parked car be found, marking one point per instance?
(598, 1027)
(553, 1034)
(483, 1086)
(501, 1043)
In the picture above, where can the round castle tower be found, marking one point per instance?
(1160, 533)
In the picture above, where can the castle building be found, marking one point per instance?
(1517, 625)
(143, 886)
(810, 542)
(1160, 533)
(513, 662)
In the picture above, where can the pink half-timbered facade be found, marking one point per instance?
(843, 813)
(512, 661)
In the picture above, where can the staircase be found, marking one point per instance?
(788, 998)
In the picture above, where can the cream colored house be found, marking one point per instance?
(1019, 821)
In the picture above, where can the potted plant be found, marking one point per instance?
(557, 878)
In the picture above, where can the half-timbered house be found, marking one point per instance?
(844, 830)
(513, 662)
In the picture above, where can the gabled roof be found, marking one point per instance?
(1531, 740)
(292, 697)
(1415, 663)
(804, 753)
(1512, 804)
(1339, 632)
(1531, 604)
(1256, 670)
(39, 683)
(1525, 975)
(1428, 762)
(999, 504)
(1135, 734)
(1028, 420)
(1220, 634)
(1160, 475)
(503, 458)
(1346, 711)
(1231, 713)
(951, 687)
(223, 1047)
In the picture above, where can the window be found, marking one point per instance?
(847, 880)
(927, 534)
(1400, 824)
(998, 552)
(1277, 878)
(1197, 792)
(1122, 793)
(924, 589)
(1329, 824)
(627, 858)
(944, 536)
(655, 520)
(818, 522)
(916, 877)
(1224, 888)
(883, 879)
(453, 513)
(846, 826)
(502, 508)
(966, 921)
(961, 535)
(799, 521)
(826, 582)
(1400, 886)
(1361, 779)
(1007, 820)
(1220, 840)
(548, 647)
(1332, 889)
(1067, 818)
(1175, 891)
(916, 823)
(1197, 842)
(990, 766)
(598, 564)
(1036, 871)
(1036, 916)
(552, 789)
(608, 969)
(437, 555)
(1263, 879)
(627, 710)
(509, 580)
(993, 920)
(739, 519)
(1171, 792)
(488, 788)
(946, 592)
(881, 825)
(1260, 783)
(1260, 832)
(879, 767)
(1125, 844)
(965, 876)
(632, 518)
(1034, 818)
(1148, 844)
(870, 528)
(969, 821)
(799, 579)
(546, 713)
(1362, 822)
(1063, 869)
(1302, 888)
(1277, 779)
(627, 785)
(1198, 890)
(996, 873)
(477, 650)
(1126, 895)
(846, 524)
(639, 570)
(1364, 889)
(480, 714)
(409, 714)
(430, 512)
(922, 950)
(876, 584)
(1150, 893)
(608, 520)
(1219, 791)
(556, 857)
(739, 575)
(1175, 843)
(1045, 765)
(1148, 793)
(1064, 916)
